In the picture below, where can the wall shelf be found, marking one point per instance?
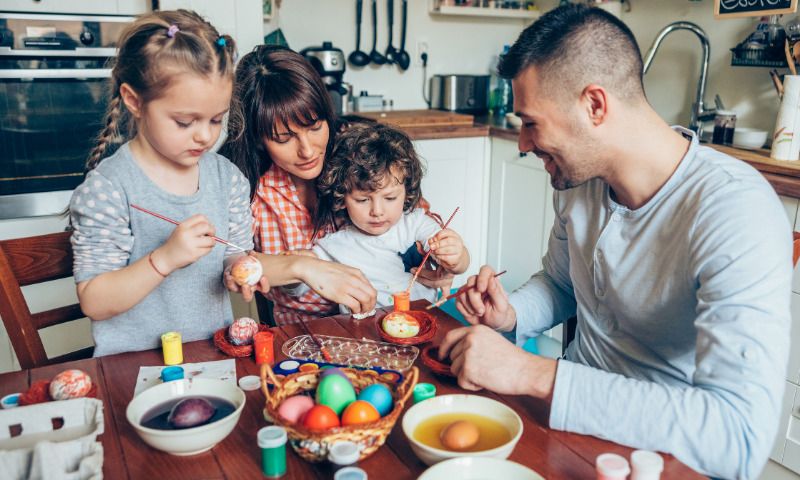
(518, 14)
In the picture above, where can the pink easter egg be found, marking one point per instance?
(242, 330)
(293, 408)
(70, 384)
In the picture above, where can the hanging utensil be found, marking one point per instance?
(375, 55)
(403, 60)
(391, 52)
(358, 58)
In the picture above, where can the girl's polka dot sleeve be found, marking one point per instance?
(102, 238)
(240, 218)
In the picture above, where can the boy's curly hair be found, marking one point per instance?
(362, 157)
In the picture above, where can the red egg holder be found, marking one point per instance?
(427, 329)
(430, 358)
(39, 392)
(221, 342)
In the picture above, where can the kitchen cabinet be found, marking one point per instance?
(457, 175)
(95, 7)
(785, 413)
(791, 453)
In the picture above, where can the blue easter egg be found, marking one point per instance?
(379, 396)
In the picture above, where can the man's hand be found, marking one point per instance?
(486, 303)
(482, 358)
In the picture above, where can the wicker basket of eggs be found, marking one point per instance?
(321, 407)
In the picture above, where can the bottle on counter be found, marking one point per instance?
(500, 98)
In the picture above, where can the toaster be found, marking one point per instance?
(460, 93)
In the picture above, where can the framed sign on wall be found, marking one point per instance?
(752, 8)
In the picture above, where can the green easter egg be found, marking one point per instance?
(335, 392)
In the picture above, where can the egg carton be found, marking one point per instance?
(353, 352)
(52, 440)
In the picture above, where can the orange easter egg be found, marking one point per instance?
(358, 412)
(320, 417)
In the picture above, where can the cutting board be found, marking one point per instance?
(420, 118)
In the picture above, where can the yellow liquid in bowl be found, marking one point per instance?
(492, 433)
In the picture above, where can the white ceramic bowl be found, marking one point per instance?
(749, 138)
(476, 468)
(187, 441)
(513, 120)
(461, 404)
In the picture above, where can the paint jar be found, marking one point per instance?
(263, 347)
(610, 466)
(646, 465)
(424, 391)
(724, 125)
(272, 442)
(169, 374)
(350, 473)
(344, 454)
(172, 348)
(402, 301)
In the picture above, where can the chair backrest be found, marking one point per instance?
(27, 261)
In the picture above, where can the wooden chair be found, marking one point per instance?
(27, 261)
(568, 329)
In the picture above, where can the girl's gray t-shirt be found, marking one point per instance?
(109, 235)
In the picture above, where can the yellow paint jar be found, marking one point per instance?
(172, 348)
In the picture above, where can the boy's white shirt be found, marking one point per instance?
(378, 256)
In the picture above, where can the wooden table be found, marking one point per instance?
(553, 454)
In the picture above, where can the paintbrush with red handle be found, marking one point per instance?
(162, 217)
(428, 254)
(322, 349)
(458, 292)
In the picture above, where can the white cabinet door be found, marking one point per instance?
(791, 454)
(783, 426)
(94, 7)
(457, 175)
(521, 213)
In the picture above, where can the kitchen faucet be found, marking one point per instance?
(699, 112)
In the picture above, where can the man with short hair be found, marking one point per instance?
(675, 258)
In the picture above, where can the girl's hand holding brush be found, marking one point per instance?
(191, 240)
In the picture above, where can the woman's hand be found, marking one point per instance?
(189, 241)
(448, 250)
(340, 284)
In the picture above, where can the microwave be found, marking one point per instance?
(54, 80)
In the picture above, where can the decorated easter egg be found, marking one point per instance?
(359, 412)
(320, 417)
(242, 330)
(332, 371)
(459, 435)
(191, 412)
(70, 384)
(247, 271)
(293, 408)
(379, 396)
(335, 392)
(400, 325)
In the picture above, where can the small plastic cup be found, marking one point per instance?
(350, 473)
(646, 465)
(172, 348)
(424, 391)
(344, 454)
(169, 374)
(263, 346)
(10, 401)
(611, 466)
(272, 441)
(402, 301)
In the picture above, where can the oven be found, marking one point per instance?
(54, 72)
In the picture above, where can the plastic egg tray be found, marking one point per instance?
(352, 352)
(293, 365)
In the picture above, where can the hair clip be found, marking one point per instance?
(172, 30)
(221, 41)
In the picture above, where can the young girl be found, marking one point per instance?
(370, 191)
(138, 276)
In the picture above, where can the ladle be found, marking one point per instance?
(358, 58)
(391, 52)
(375, 55)
(403, 60)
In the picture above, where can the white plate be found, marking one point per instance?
(479, 468)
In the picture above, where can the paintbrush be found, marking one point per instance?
(162, 217)
(322, 349)
(789, 58)
(458, 292)
(428, 254)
